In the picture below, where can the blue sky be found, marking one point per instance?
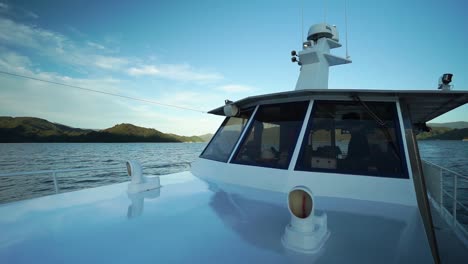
(195, 54)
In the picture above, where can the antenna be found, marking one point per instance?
(346, 28)
(302, 22)
(325, 11)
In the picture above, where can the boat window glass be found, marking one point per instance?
(354, 138)
(223, 142)
(272, 135)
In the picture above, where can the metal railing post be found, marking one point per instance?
(441, 188)
(54, 173)
(459, 227)
(455, 180)
(55, 181)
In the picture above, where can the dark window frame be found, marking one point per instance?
(398, 137)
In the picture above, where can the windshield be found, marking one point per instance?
(349, 137)
(272, 137)
(224, 140)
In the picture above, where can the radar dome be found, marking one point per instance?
(322, 31)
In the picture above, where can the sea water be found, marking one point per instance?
(156, 159)
(452, 155)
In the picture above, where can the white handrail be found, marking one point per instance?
(447, 170)
(55, 172)
(452, 220)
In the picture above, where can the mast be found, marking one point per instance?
(315, 57)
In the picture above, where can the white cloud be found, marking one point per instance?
(13, 62)
(69, 106)
(23, 97)
(107, 62)
(19, 64)
(143, 70)
(96, 45)
(17, 11)
(4, 6)
(179, 72)
(27, 36)
(58, 47)
(31, 14)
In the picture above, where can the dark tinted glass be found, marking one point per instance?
(354, 138)
(272, 135)
(223, 142)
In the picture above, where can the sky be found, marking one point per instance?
(196, 54)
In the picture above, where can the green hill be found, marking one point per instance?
(206, 137)
(435, 131)
(30, 129)
(38, 126)
(451, 125)
(445, 133)
(455, 134)
(140, 133)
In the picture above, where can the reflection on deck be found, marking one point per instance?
(383, 232)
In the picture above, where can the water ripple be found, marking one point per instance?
(156, 159)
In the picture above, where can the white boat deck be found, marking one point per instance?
(192, 221)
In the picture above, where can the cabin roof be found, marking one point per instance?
(424, 105)
(193, 221)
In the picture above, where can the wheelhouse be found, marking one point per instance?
(352, 132)
(353, 150)
(360, 138)
(365, 138)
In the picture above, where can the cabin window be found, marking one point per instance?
(272, 135)
(360, 138)
(223, 142)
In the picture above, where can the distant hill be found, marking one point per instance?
(452, 125)
(206, 137)
(188, 139)
(435, 131)
(39, 126)
(454, 134)
(445, 131)
(31, 129)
